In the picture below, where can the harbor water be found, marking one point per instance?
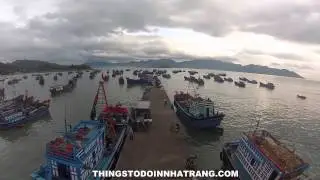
(292, 120)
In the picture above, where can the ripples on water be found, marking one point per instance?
(292, 120)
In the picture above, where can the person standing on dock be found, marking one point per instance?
(131, 134)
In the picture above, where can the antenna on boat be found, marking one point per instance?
(65, 118)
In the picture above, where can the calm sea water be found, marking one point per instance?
(294, 121)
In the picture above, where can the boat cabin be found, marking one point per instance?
(260, 156)
(140, 114)
(74, 155)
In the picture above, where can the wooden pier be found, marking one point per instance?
(159, 148)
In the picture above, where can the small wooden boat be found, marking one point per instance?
(167, 76)
(301, 97)
(197, 112)
(218, 79)
(267, 85)
(240, 84)
(228, 79)
(121, 80)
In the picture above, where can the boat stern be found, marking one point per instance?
(40, 173)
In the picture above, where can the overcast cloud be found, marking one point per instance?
(266, 32)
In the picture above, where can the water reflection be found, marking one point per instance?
(203, 137)
(15, 134)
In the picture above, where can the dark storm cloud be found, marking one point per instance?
(80, 28)
(290, 21)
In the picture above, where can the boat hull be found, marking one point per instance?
(40, 113)
(138, 82)
(108, 162)
(192, 122)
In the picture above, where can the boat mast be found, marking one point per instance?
(65, 118)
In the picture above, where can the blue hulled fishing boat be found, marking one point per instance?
(258, 155)
(21, 110)
(196, 112)
(91, 144)
(146, 79)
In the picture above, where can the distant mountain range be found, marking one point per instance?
(199, 64)
(27, 66)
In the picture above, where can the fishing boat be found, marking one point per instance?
(60, 89)
(258, 155)
(240, 84)
(121, 80)
(243, 79)
(267, 85)
(90, 144)
(41, 80)
(146, 79)
(218, 79)
(252, 81)
(206, 76)
(167, 76)
(229, 79)
(192, 72)
(55, 77)
(301, 97)
(140, 115)
(197, 112)
(105, 77)
(23, 111)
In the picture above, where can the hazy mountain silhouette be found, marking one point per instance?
(199, 64)
(36, 66)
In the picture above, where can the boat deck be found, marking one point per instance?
(158, 148)
(283, 157)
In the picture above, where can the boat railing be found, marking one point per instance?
(58, 152)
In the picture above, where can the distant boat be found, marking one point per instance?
(127, 69)
(121, 80)
(228, 79)
(219, 79)
(21, 111)
(268, 85)
(206, 76)
(105, 77)
(243, 79)
(176, 71)
(167, 76)
(41, 80)
(240, 84)
(192, 72)
(252, 81)
(222, 74)
(59, 89)
(196, 112)
(301, 97)
(140, 81)
(25, 77)
(259, 155)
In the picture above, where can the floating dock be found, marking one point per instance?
(159, 148)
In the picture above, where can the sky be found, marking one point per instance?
(275, 33)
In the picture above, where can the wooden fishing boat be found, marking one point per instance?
(196, 112)
(90, 144)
